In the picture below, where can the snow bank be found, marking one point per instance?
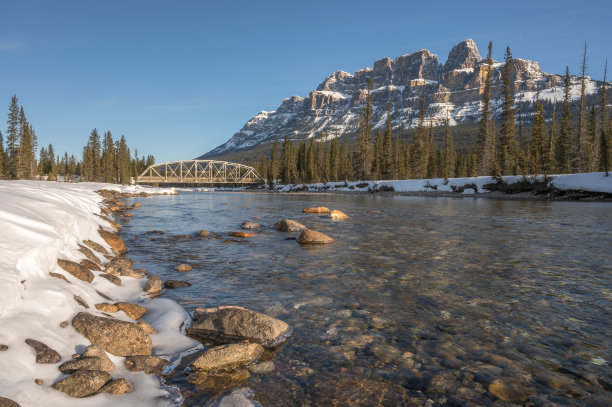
(39, 223)
(593, 182)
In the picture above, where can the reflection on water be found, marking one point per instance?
(421, 301)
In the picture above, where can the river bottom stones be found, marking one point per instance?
(288, 225)
(119, 338)
(226, 358)
(238, 324)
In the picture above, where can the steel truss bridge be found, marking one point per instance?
(199, 172)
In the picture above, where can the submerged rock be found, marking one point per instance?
(335, 214)
(308, 236)
(511, 390)
(316, 209)
(83, 383)
(250, 225)
(263, 367)
(175, 284)
(237, 324)
(114, 241)
(76, 270)
(118, 386)
(119, 338)
(204, 233)
(148, 364)
(227, 357)
(44, 354)
(184, 267)
(241, 234)
(218, 383)
(288, 225)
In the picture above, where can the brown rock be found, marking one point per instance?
(44, 354)
(126, 215)
(184, 267)
(337, 215)
(175, 284)
(131, 273)
(90, 265)
(114, 241)
(250, 225)
(204, 233)
(95, 351)
(137, 205)
(63, 324)
(308, 236)
(288, 225)
(118, 386)
(60, 276)
(113, 279)
(317, 209)
(146, 328)
(118, 264)
(3, 348)
(83, 383)
(511, 390)
(76, 270)
(106, 297)
(153, 285)
(80, 301)
(90, 255)
(147, 364)
(4, 402)
(133, 311)
(95, 247)
(38, 381)
(241, 234)
(227, 357)
(119, 338)
(207, 382)
(82, 363)
(236, 324)
(106, 307)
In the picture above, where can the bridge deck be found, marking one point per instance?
(199, 172)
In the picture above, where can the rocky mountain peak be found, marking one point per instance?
(462, 56)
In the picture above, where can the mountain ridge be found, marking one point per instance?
(453, 90)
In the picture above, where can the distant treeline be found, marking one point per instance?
(564, 141)
(103, 159)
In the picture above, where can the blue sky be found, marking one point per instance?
(179, 78)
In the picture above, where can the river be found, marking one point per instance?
(420, 301)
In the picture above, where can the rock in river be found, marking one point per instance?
(118, 264)
(83, 383)
(250, 225)
(148, 364)
(288, 225)
(44, 354)
(76, 270)
(316, 209)
(153, 285)
(184, 267)
(119, 338)
(241, 234)
(237, 324)
(175, 284)
(308, 236)
(227, 357)
(338, 215)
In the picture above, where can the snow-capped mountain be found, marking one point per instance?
(452, 90)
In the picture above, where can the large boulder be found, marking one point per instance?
(118, 264)
(114, 241)
(227, 357)
(288, 225)
(119, 338)
(4, 402)
(44, 354)
(83, 383)
(76, 270)
(238, 324)
(90, 265)
(95, 351)
(308, 236)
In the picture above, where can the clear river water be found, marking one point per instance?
(420, 301)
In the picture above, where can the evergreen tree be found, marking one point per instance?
(12, 138)
(389, 162)
(483, 143)
(344, 162)
(379, 158)
(432, 170)
(123, 161)
(592, 146)
(581, 142)
(508, 147)
(539, 150)
(285, 166)
(274, 164)
(311, 168)
(604, 149)
(553, 141)
(3, 158)
(564, 149)
(363, 157)
(449, 153)
(108, 160)
(419, 144)
(334, 160)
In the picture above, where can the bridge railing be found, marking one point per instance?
(200, 171)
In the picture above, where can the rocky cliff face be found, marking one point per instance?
(453, 90)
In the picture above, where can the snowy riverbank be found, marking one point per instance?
(595, 182)
(41, 222)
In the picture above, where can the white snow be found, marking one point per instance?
(41, 222)
(591, 181)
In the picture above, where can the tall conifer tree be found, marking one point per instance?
(564, 146)
(508, 146)
(483, 143)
